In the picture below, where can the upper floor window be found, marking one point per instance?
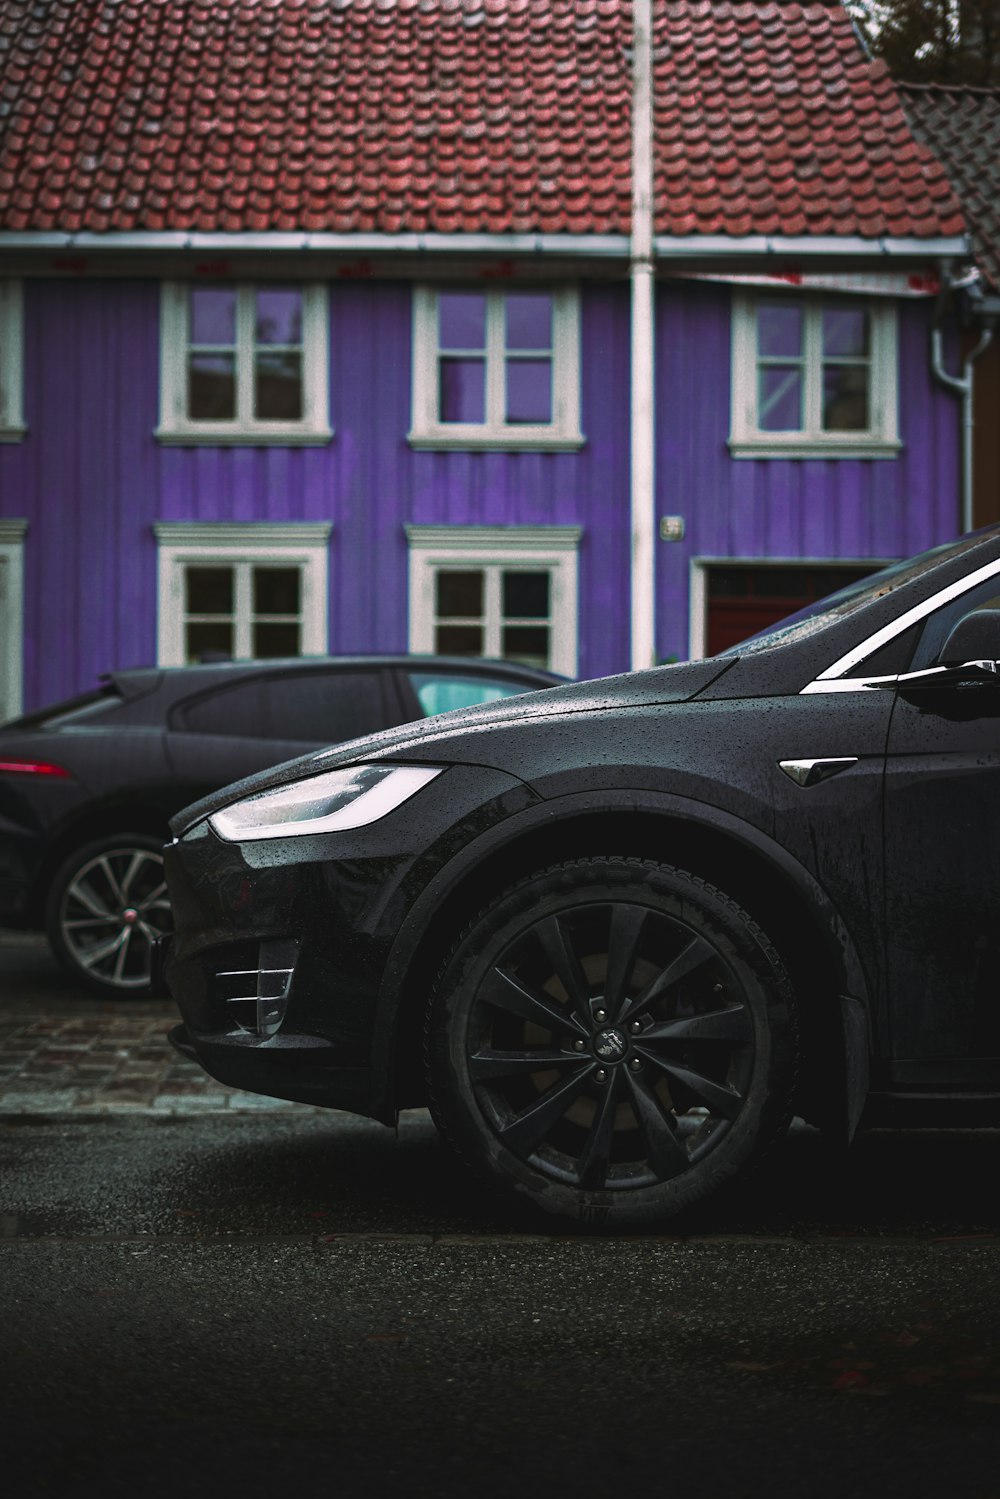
(11, 362)
(496, 368)
(813, 377)
(245, 364)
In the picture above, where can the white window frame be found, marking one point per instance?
(563, 432)
(12, 534)
(747, 440)
(177, 427)
(12, 427)
(497, 548)
(290, 543)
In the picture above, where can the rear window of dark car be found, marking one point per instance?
(316, 707)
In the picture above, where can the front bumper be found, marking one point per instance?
(280, 946)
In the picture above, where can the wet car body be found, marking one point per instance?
(835, 786)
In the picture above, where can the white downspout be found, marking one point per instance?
(643, 492)
(963, 386)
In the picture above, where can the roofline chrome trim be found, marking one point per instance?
(600, 246)
(833, 680)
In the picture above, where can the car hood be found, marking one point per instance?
(638, 689)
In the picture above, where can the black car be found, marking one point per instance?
(87, 787)
(617, 933)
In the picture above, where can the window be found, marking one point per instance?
(496, 368)
(318, 707)
(241, 591)
(12, 426)
(813, 377)
(244, 364)
(440, 694)
(12, 534)
(504, 592)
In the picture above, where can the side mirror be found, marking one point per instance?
(974, 638)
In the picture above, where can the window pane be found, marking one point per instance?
(213, 315)
(318, 707)
(211, 640)
(529, 390)
(279, 316)
(779, 399)
(779, 330)
(278, 387)
(211, 387)
(462, 396)
(459, 595)
(461, 320)
(845, 331)
(527, 643)
(845, 398)
(276, 640)
(528, 318)
(276, 590)
(526, 595)
(441, 694)
(209, 590)
(458, 640)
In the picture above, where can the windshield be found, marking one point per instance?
(845, 601)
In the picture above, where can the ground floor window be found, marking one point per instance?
(241, 592)
(734, 600)
(505, 592)
(11, 615)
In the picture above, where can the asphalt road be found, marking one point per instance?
(299, 1301)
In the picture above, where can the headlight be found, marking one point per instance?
(322, 804)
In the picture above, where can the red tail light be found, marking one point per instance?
(34, 768)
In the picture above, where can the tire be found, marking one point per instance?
(107, 902)
(613, 1040)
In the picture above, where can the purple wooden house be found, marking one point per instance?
(529, 328)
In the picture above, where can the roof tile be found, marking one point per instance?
(450, 116)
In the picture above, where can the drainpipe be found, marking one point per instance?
(643, 493)
(963, 386)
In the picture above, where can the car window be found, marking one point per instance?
(438, 693)
(318, 707)
(823, 612)
(939, 625)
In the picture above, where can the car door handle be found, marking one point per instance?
(811, 772)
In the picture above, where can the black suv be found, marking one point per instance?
(87, 787)
(617, 932)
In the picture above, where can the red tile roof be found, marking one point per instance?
(489, 116)
(962, 127)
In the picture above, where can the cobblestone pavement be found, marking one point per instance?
(64, 1051)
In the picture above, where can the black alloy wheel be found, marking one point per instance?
(107, 903)
(614, 1039)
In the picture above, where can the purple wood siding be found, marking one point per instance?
(91, 478)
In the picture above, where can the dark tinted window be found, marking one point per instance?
(320, 707)
(438, 693)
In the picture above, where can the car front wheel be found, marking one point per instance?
(613, 1039)
(107, 903)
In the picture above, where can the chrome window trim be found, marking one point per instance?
(833, 679)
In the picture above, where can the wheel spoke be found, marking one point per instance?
(504, 992)
(104, 863)
(97, 954)
(717, 1097)
(733, 1025)
(565, 962)
(664, 1151)
(122, 955)
(487, 1063)
(138, 859)
(90, 900)
(695, 955)
(522, 1133)
(157, 897)
(627, 923)
(592, 1167)
(84, 923)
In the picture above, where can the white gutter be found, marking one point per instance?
(963, 385)
(693, 247)
(642, 272)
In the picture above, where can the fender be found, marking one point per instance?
(851, 984)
